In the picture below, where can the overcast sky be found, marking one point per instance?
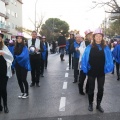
(76, 13)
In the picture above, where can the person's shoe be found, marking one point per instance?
(75, 81)
(6, 109)
(1, 108)
(20, 96)
(32, 85)
(25, 96)
(90, 107)
(99, 108)
(63, 60)
(82, 93)
(37, 85)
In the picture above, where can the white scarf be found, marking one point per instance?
(9, 59)
(37, 43)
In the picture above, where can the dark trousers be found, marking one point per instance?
(117, 68)
(70, 55)
(21, 74)
(76, 71)
(71, 60)
(100, 83)
(35, 72)
(82, 78)
(3, 90)
(46, 61)
(42, 66)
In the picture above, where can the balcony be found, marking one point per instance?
(4, 28)
(6, 16)
(6, 2)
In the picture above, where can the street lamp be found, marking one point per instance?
(35, 13)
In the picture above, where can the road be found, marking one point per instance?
(58, 98)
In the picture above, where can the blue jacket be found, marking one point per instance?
(23, 59)
(85, 66)
(45, 51)
(11, 48)
(76, 53)
(116, 53)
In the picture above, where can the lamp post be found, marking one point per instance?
(35, 13)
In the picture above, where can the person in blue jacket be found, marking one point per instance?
(116, 55)
(96, 62)
(44, 55)
(75, 49)
(22, 65)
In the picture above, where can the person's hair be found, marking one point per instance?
(18, 49)
(103, 43)
(87, 37)
(34, 32)
(1, 45)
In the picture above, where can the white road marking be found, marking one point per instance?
(66, 74)
(68, 64)
(62, 104)
(65, 85)
(67, 68)
(59, 118)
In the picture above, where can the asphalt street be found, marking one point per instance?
(58, 98)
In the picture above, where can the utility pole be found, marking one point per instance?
(35, 14)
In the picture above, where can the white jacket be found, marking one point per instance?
(9, 59)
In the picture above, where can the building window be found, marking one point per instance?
(16, 15)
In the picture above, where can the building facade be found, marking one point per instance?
(10, 17)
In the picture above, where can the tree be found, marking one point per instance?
(52, 28)
(113, 4)
(113, 29)
(22, 29)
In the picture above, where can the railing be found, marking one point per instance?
(5, 27)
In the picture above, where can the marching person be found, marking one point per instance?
(35, 48)
(116, 55)
(44, 55)
(6, 60)
(75, 49)
(70, 41)
(22, 65)
(82, 76)
(96, 62)
(62, 44)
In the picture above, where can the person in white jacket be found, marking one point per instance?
(6, 60)
(82, 76)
